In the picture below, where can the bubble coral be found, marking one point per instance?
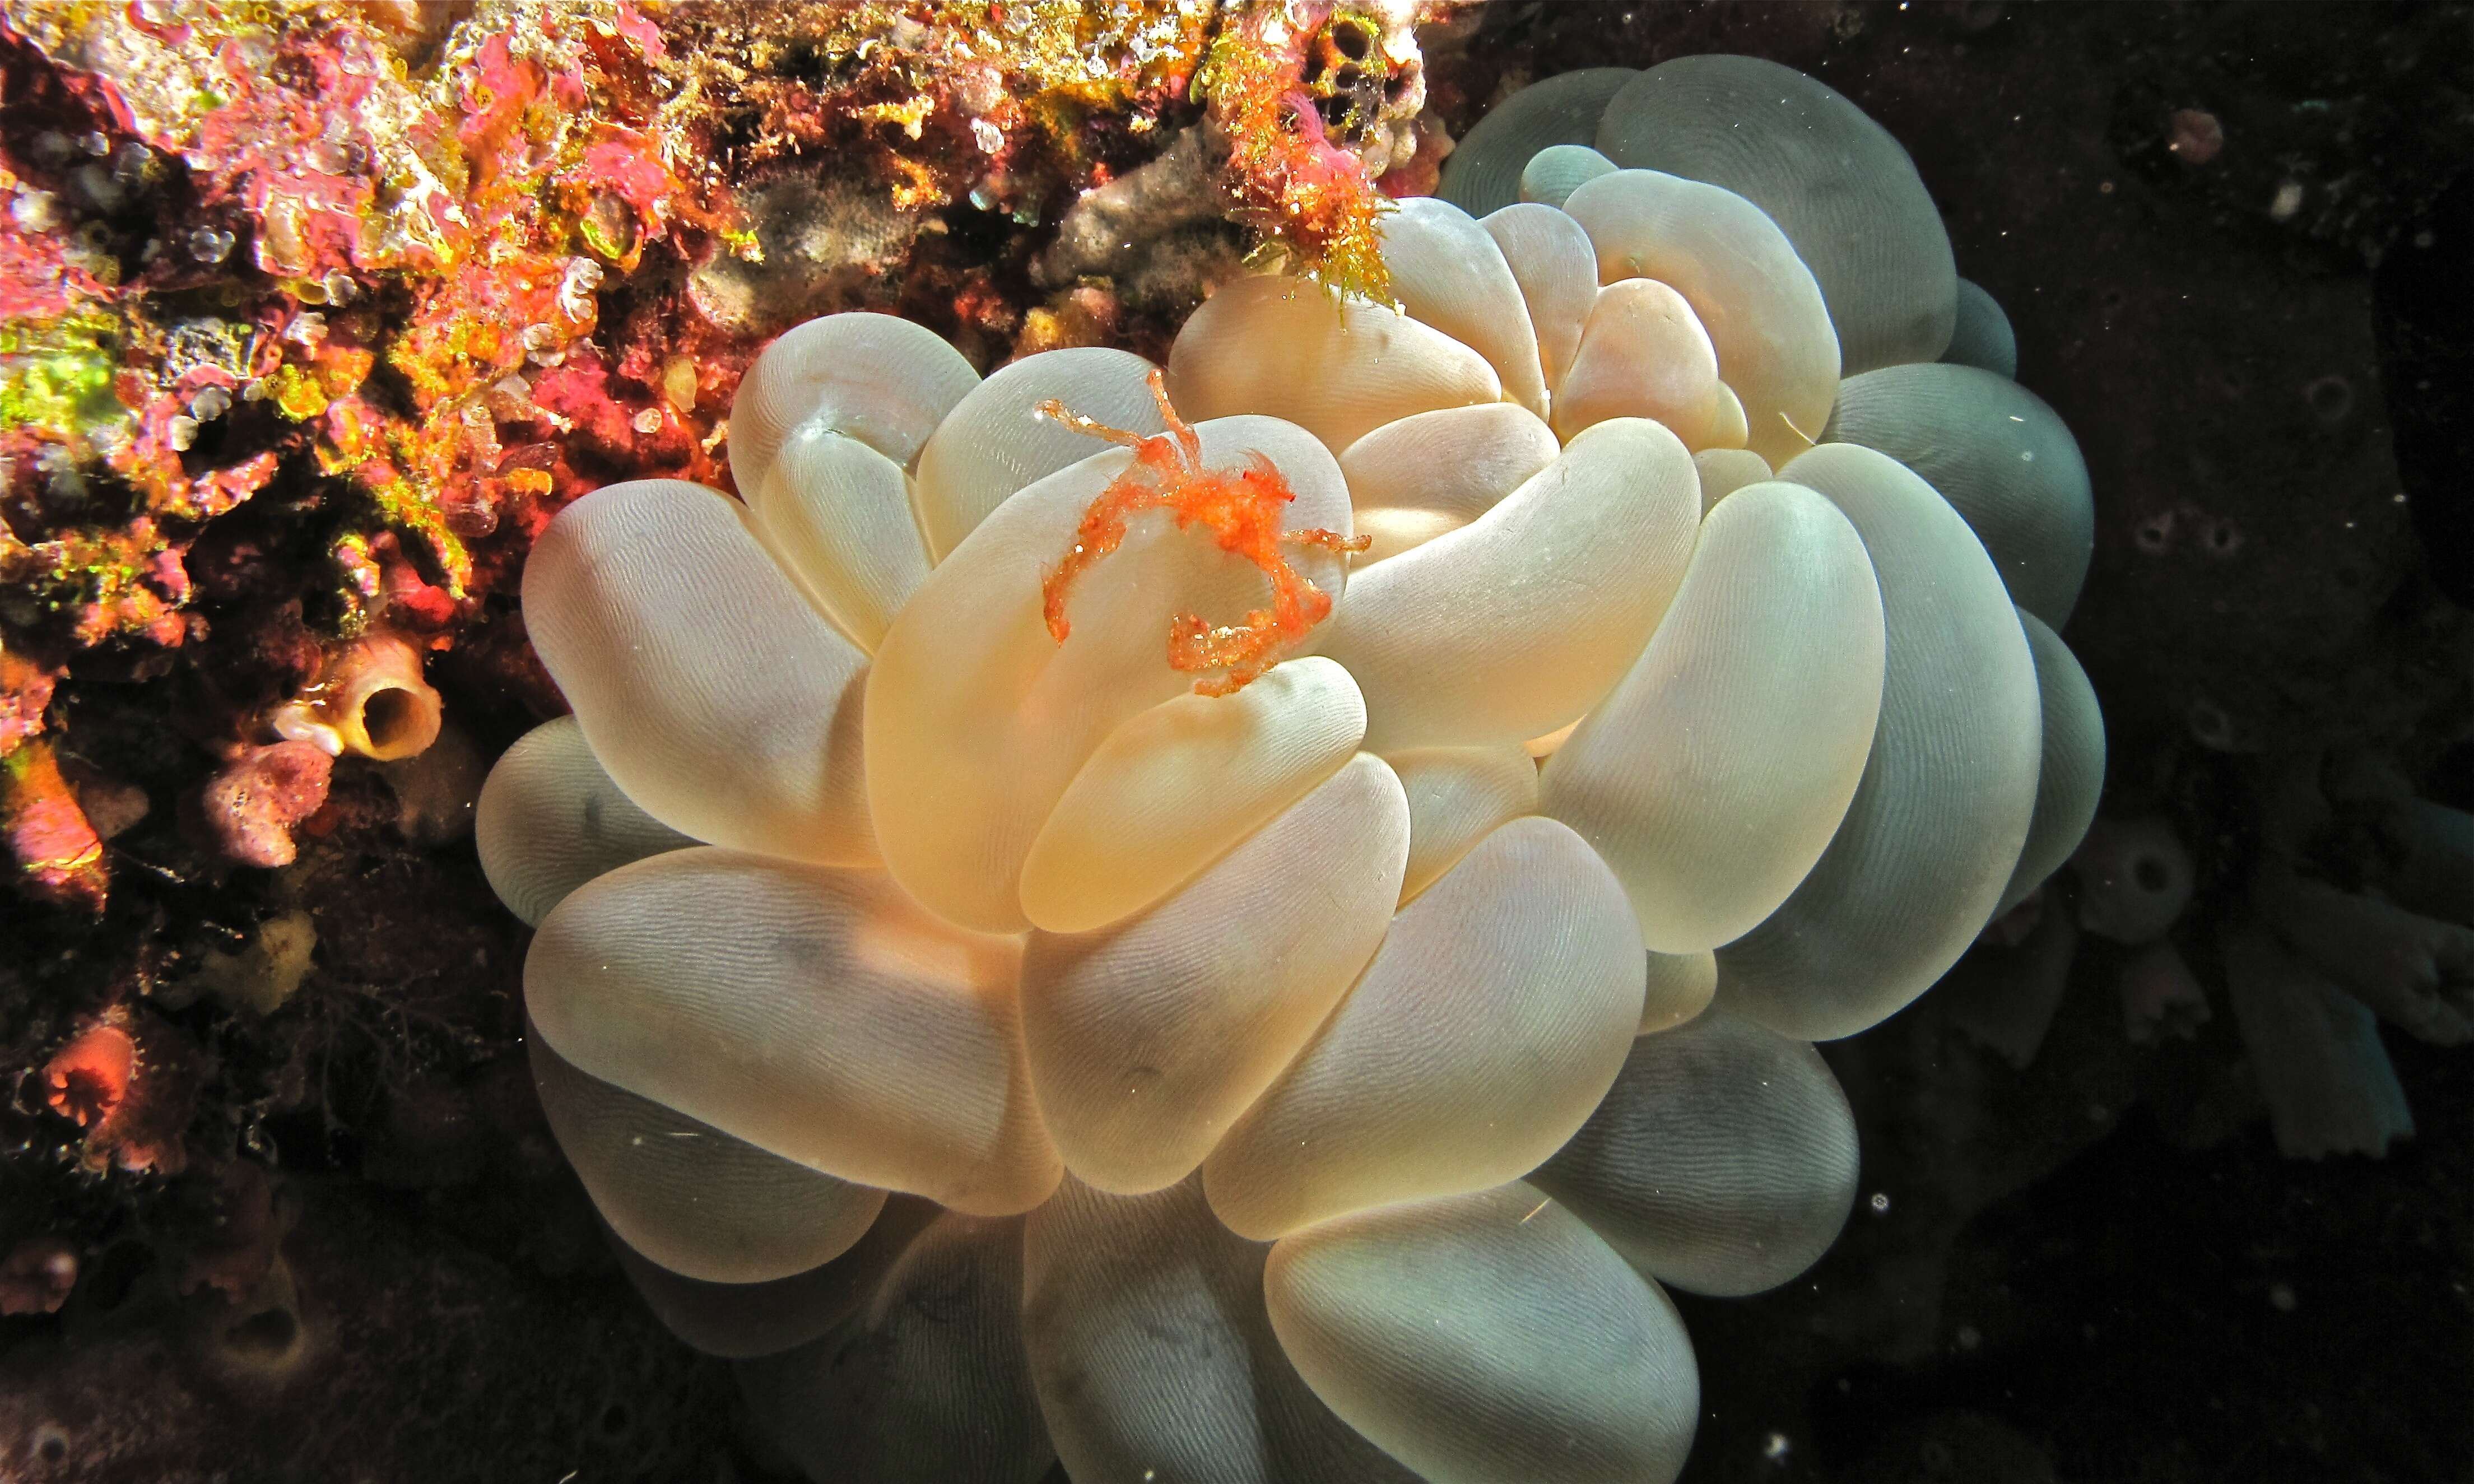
(1315, 1086)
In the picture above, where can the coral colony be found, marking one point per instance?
(1215, 850)
(1337, 1052)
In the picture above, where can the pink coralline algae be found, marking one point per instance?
(378, 288)
(324, 257)
(252, 806)
(59, 856)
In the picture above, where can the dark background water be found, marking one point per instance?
(2098, 1267)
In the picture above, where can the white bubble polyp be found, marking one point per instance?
(1319, 1060)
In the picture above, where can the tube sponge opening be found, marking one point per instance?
(2135, 878)
(370, 699)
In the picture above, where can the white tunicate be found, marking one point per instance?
(1761, 305)
(1938, 820)
(1844, 192)
(1416, 478)
(835, 1024)
(2135, 878)
(1715, 773)
(2435, 867)
(1481, 173)
(1557, 269)
(2070, 775)
(1281, 347)
(882, 380)
(1520, 620)
(1723, 1160)
(1174, 786)
(687, 1195)
(836, 513)
(1491, 1021)
(1488, 1337)
(1997, 454)
(1154, 1356)
(709, 690)
(2414, 972)
(1448, 273)
(1146, 1041)
(978, 718)
(549, 819)
(996, 441)
(2315, 1050)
